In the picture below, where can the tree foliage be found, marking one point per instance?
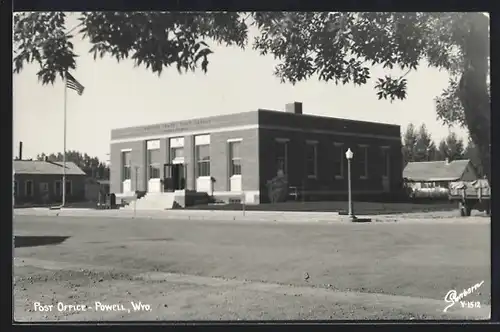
(156, 40)
(449, 108)
(342, 47)
(92, 166)
(337, 47)
(451, 148)
(425, 149)
(471, 152)
(410, 137)
(418, 144)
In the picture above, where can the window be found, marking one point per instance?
(16, 189)
(154, 164)
(69, 188)
(234, 158)
(57, 188)
(29, 188)
(363, 158)
(176, 153)
(281, 149)
(44, 187)
(338, 160)
(312, 159)
(385, 161)
(202, 160)
(126, 165)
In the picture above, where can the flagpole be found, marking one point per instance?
(64, 141)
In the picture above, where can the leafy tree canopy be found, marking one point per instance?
(154, 39)
(92, 166)
(451, 148)
(338, 47)
(418, 145)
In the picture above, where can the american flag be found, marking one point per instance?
(72, 83)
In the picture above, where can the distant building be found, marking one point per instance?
(234, 155)
(40, 182)
(94, 187)
(428, 177)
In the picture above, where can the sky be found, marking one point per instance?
(121, 95)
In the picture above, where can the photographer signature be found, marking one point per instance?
(453, 298)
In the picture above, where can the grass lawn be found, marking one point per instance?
(338, 206)
(411, 260)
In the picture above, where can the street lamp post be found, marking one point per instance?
(136, 168)
(349, 155)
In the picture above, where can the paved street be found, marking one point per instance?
(216, 269)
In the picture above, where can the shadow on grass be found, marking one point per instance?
(35, 241)
(362, 220)
(136, 240)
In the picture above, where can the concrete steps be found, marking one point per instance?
(153, 201)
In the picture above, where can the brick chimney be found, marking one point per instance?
(295, 107)
(20, 151)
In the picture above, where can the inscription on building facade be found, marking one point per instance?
(176, 126)
(162, 128)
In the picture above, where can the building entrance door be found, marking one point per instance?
(174, 177)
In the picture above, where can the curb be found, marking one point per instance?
(253, 216)
(268, 217)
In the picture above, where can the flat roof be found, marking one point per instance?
(258, 118)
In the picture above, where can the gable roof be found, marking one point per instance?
(45, 167)
(435, 170)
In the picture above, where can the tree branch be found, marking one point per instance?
(73, 29)
(407, 72)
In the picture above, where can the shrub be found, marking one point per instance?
(277, 188)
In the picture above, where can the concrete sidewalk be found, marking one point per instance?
(187, 214)
(265, 216)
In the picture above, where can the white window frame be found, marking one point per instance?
(156, 165)
(342, 156)
(385, 150)
(230, 158)
(198, 161)
(285, 142)
(203, 139)
(153, 145)
(315, 145)
(177, 160)
(176, 143)
(26, 188)
(365, 148)
(123, 165)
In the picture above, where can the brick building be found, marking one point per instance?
(234, 155)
